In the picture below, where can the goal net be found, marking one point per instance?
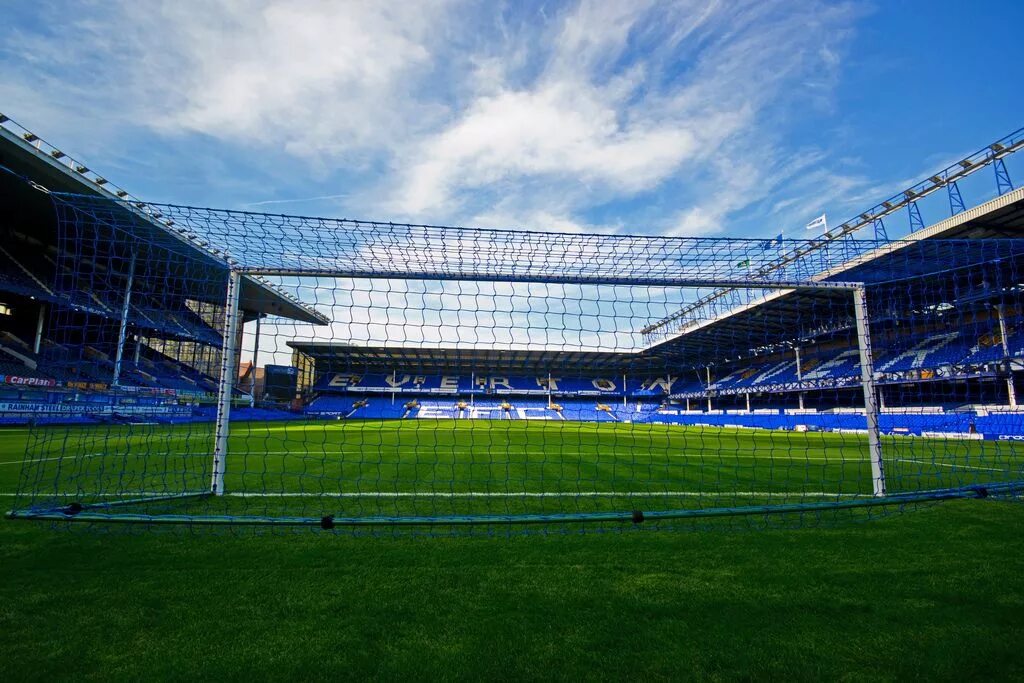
(255, 369)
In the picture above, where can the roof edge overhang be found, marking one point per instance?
(50, 174)
(935, 231)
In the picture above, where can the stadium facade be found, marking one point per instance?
(433, 375)
(948, 346)
(949, 341)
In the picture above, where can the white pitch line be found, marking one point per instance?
(396, 450)
(712, 458)
(60, 457)
(953, 465)
(8, 494)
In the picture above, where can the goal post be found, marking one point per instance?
(867, 374)
(226, 382)
(857, 292)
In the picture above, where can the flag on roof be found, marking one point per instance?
(769, 244)
(818, 223)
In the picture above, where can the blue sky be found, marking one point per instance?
(695, 118)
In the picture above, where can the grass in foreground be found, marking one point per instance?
(933, 594)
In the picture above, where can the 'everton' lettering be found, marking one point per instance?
(663, 383)
(344, 381)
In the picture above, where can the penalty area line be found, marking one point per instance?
(543, 494)
(952, 465)
(391, 449)
(59, 457)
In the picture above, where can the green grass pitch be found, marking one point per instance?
(448, 468)
(938, 593)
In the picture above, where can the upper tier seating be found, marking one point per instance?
(841, 367)
(927, 351)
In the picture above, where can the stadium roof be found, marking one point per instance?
(296, 246)
(452, 359)
(999, 222)
(992, 155)
(990, 232)
(1001, 217)
(28, 156)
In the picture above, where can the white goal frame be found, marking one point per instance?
(232, 341)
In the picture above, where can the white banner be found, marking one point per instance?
(36, 408)
(819, 223)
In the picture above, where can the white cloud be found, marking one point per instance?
(557, 130)
(320, 80)
(738, 182)
(452, 111)
(620, 107)
(324, 77)
(548, 221)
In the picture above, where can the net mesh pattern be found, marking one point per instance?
(285, 371)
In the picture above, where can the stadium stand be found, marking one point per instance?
(62, 305)
(99, 335)
(953, 369)
(937, 377)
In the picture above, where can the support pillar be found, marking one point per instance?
(916, 222)
(37, 343)
(255, 356)
(1003, 182)
(956, 201)
(881, 234)
(799, 378)
(1011, 392)
(708, 375)
(123, 330)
